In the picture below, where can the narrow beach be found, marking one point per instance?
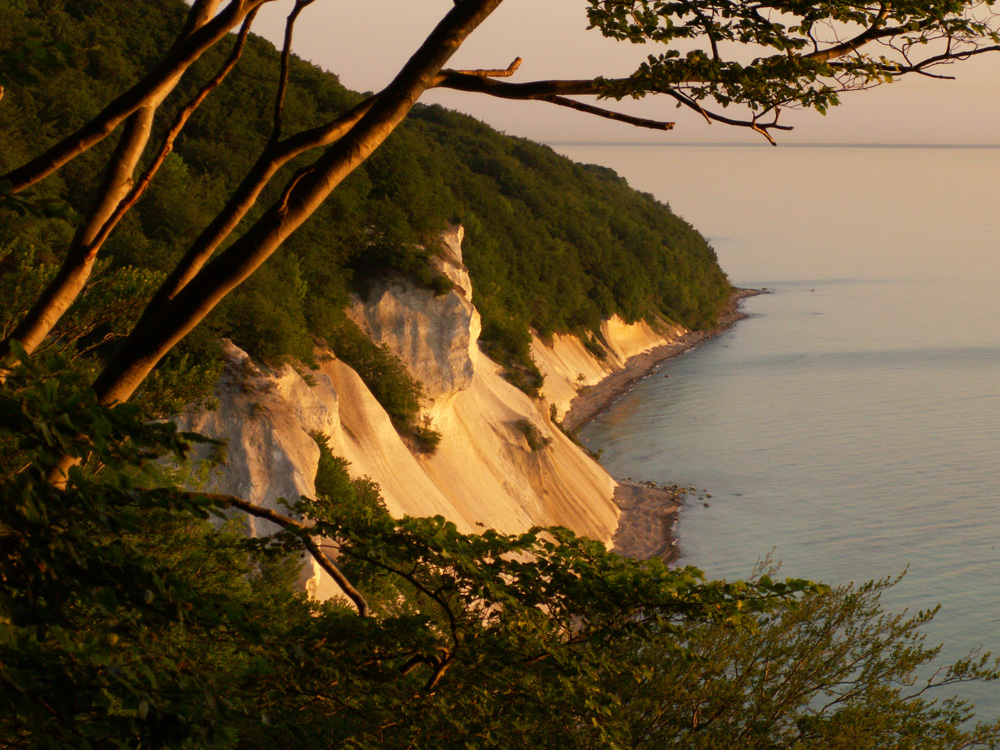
(649, 511)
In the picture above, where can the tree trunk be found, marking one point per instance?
(201, 13)
(79, 260)
(118, 181)
(152, 89)
(164, 328)
(244, 198)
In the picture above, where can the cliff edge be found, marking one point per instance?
(501, 462)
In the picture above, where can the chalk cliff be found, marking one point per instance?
(484, 472)
(568, 365)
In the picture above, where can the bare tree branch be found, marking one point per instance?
(201, 13)
(546, 91)
(490, 73)
(171, 137)
(521, 91)
(590, 109)
(310, 544)
(245, 197)
(286, 54)
(161, 331)
(753, 124)
(117, 195)
(149, 91)
(542, 91)
(57, 296)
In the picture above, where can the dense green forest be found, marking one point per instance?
(135, 612)
(550, 244)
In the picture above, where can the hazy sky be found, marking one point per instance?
(365, 42)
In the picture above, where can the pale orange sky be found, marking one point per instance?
(366, 42)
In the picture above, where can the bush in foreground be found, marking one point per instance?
(128, 620)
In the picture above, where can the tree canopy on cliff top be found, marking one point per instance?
(803, 55)
(125, 621)
(550, 244)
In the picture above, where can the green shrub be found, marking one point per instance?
(425, 437)
(399, 393)
(507, 343)
(535, 440)
(382, 371)
(592, 345)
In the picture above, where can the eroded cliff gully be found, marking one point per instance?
(484, 472)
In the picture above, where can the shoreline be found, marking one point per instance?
(648, 510)
(648, 518)
(594, 400)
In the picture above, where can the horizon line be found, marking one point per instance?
(817, 144)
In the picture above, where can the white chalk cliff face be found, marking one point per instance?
(435, 336)
(568, 366)
(484, 473)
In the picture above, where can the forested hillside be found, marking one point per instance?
(132, 617)
(550, 244)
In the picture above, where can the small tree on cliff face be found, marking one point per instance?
(808, 55)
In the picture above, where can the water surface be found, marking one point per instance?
(852, 424)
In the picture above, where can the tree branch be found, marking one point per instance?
(117, 196)
(543, 91)
(74, 271)
(245, 197)
(149, 342)
(935, 60)
(461, 81)
(752, 124)
(590, 109)
(201, 13)
(551, 91)
(310, 544)
(286, 53)
(872, 33)
(171, 137)
(149, 91)
(490, 72)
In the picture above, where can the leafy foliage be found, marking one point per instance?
(85, 594)
(835, 672)
(387, 378)
(531, 434)
(127, 620)
(551, 245)
(803, 47)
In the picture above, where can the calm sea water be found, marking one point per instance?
(852, 424)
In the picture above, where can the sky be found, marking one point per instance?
(365, 42)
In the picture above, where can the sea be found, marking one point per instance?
(850, 427)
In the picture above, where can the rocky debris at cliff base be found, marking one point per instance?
(646, 526)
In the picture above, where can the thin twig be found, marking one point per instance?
(590, 109)
(310, 544)
(167, 147)
(752, 124)
(286, 54)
